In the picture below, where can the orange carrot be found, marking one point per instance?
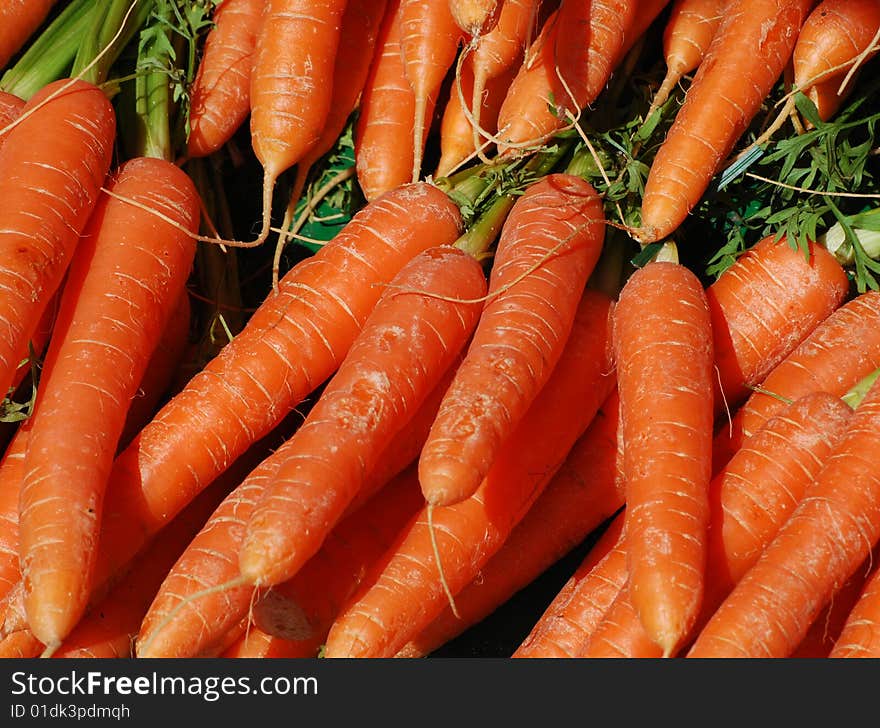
(429, 41)
(401, 600)
(475, 17)
(663, 349)
(110, 627)
(578, 607)
(11, 474)
(292, 343)
(60, 151)
(580, 497)
(221, 90)
(686, 38)
(860, 636)
(547, 249)
(763, 306)
(18, 20)
(124, 279)
(750, 48)
(750, 499)
(291, 84)
(825, 361)
(255, 643)
(10, 109)
(834, 36)
(20, 645)
(827, 537)
(407, 344)
(386, 114)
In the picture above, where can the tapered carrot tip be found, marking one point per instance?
(50, 622)
(444, 479)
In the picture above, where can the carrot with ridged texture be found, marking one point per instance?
(11, 475)
(291, 85)
(429, 40)
(827, 360)
(10, 109)
(409, 341)
(220, 96)
(686, 38)
(123, 282)
(547, 248)
(581, 496)
(409, 593)
(751, 47)
(763, 306)
(18, 21)
(52, 166)
(475, 17)
(292, 343)
(579, 606)
(663, 351)
(829, 534)
(750, 499)
(860, 635)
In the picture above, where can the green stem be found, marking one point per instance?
(153, 104)
(865, 227)
(479, 238)
(106, 21)
(855, 395)
(49, 57)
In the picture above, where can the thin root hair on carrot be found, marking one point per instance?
(435, 548)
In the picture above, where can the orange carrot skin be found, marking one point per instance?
(11, 475)
(20, 645)
(475, 17)
(18, 21)
(255, 644)
(752, 45)
(386, 114)
(824, 361)
(407, 344)
(860, 636)
(547, 249)
(580, 497)
(60, 152)
(10, 109)
(62, 492)
(763, 306)
(661, 319)
(291, 79)
(392, 610)
(108, 630)
(501, 49)
(221, 90)
(293, 342)
(689, 32)
(827, 537)
(578, 607)
(835, 33)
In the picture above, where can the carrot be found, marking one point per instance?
(548, 247)
(475, 17)
(20, 645)
(11, 474)
(663, 349)
(686, 38)
(825, 361)
(827, 537)
(572, 60)
(291, 85)
(10, 110)
(499, 52)
(386, 114)
(18, 21)
(578, 607)
(220, 96)
(750, 499)
(860, 635)
(457, 138)
(833, 38)
(429, 41)
(160, 372)
(763, 306)
(359, 31)
(751, 46)
(180, 625)
(407, 344)
(109, 629)
(58, 151)
(579, 498)
(293, 342)
(396, 604)
(255, 643)
(124, 279)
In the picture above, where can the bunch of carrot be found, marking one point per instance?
(464, 384)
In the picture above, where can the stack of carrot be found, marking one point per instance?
(459, 388)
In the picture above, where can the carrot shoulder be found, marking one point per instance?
(408, 593)
(663, 350)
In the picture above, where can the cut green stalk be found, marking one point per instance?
(865, 226)
(106, 21)
(478, 240)
(855, 395)
(50, 55)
